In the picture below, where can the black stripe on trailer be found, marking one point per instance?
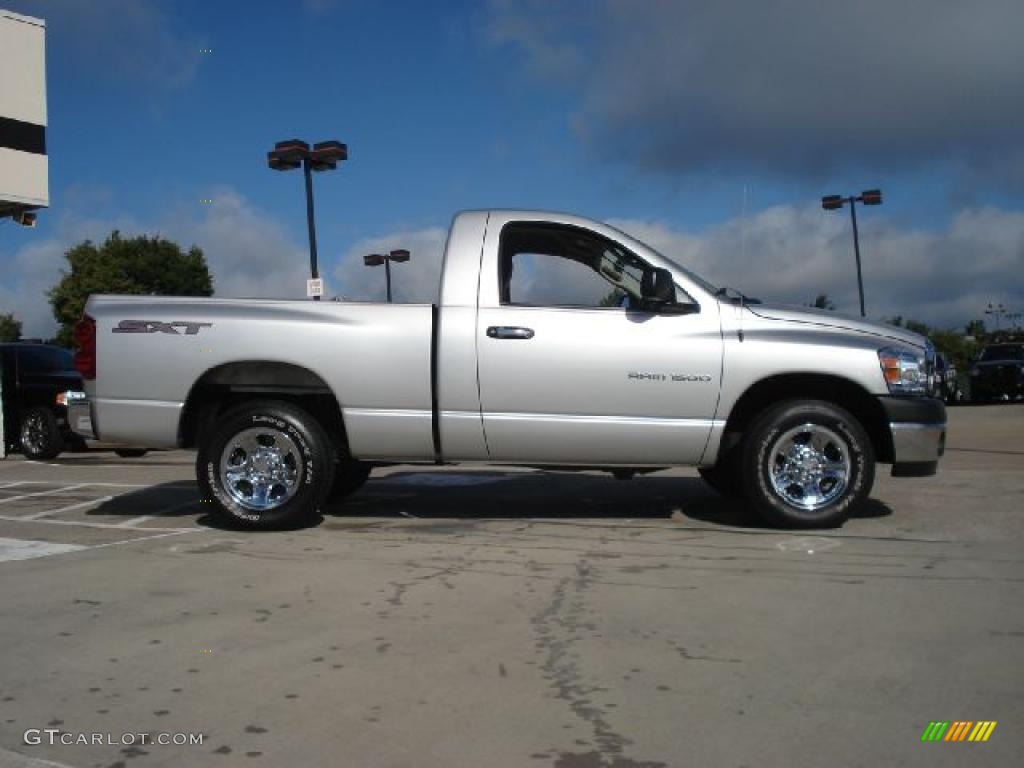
(22, 136)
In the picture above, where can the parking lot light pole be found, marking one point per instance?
(835, 202)
(376, 259)
(324, 156)
(997, 312)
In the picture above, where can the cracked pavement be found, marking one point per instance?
(467, 617)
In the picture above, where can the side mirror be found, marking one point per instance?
(658, 294)
(659, 286)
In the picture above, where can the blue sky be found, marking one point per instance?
(711, 134)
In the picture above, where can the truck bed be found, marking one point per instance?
(377, 358)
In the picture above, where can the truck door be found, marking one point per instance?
(571, 371)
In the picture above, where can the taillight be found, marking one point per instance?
(85, 347)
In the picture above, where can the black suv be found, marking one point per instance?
(31, 378)
(998, 373)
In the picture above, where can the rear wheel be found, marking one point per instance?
(266, 464)
(807, 464)
(40, 435)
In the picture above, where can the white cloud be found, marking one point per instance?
(32, 270)
(130, 40)
(535, 27)
(793, 88)
(791, 254)
(250, 254)
(414, 281)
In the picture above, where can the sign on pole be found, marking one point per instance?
(315, 287)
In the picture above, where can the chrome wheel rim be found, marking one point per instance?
(33, 433)
(809, 466)
(260, 468)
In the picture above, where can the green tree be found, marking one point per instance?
(10, 329)
(136, 265)
(957, 348)
(915, 327)
(613, 298)
(975, 328)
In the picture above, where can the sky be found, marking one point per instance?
(708, 130)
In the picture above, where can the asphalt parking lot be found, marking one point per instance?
(471, 617)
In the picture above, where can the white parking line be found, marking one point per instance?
(175, 532)
(11, 485)
(10, 759)
(98, 485)
(69, 508)
(163, 512)
(20, 549)
(17, 549)
(28, 463)
(85, 524)
(44, 493)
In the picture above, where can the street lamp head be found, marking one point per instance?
(832, 202)
(373, 260)
(287, 155)
(331, 150)
(327, 154)
(871, 197)
(292, 145)
(399, 255)
(277, 162)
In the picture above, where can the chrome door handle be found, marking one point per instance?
(509, 332)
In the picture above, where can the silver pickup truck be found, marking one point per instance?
(555, 341)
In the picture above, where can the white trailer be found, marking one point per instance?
(24, 184)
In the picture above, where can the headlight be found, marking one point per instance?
(905, 371)
(66, 398)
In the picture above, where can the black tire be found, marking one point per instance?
(844, 443)
(301, 448)
(349, 477)
(40, 434)
(130, 453)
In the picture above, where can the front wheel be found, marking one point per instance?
(41, 439)
(266, 464)
(807, 464)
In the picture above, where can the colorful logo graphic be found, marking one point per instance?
(959, 730)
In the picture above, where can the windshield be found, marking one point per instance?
(700, 281)
(40, 359)
(1002, 352)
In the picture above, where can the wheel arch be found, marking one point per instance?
(224, 386)
(837, 390)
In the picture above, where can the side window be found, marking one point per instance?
(550, 265)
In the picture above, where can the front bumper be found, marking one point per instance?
(918, 429)
(80, 418)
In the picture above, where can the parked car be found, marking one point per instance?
(998, 373)
(35, 380)
(527, 358)
(947, 386)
